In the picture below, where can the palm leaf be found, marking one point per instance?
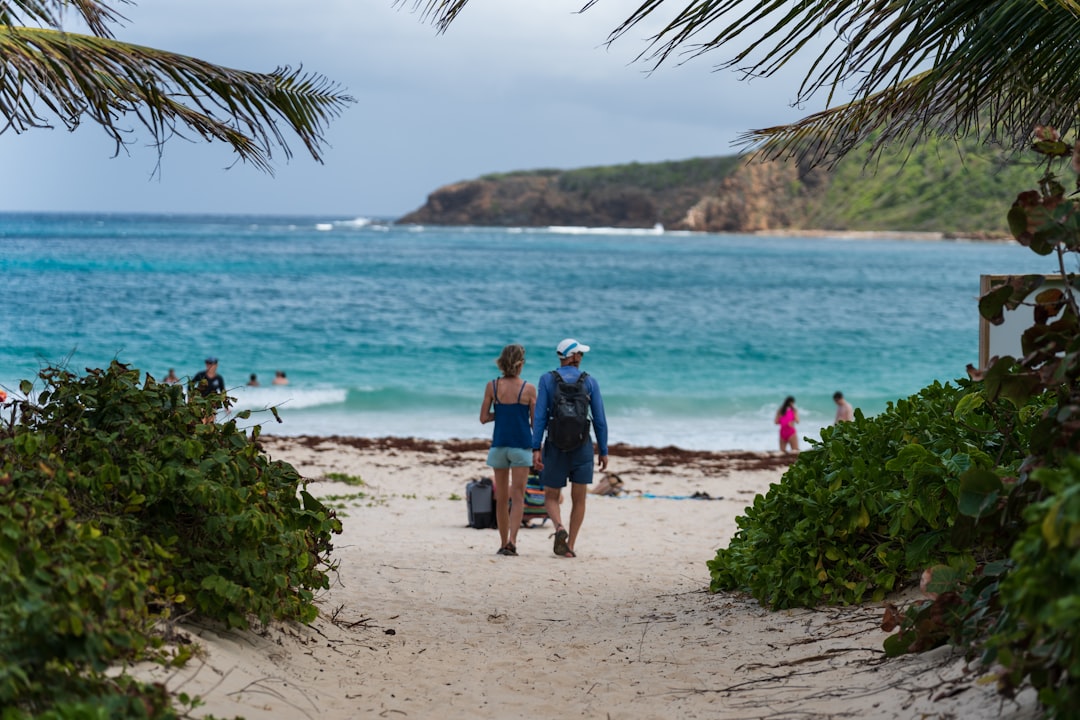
(912, 68)
(49, 13)
(441, 12)
(995, 72)
(71, 77)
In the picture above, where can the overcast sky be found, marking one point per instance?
(510, 86)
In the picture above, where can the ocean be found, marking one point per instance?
(390, 330)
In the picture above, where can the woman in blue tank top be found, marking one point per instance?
(509, 401)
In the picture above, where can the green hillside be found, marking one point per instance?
(939, 186)
(656, 177)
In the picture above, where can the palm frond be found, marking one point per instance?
(994, 74)
(441, 12)
(70, 77)
(50, 14)
(911, 68)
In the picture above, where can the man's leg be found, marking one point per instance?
(578, 494)
(555, 471)
(551, 505)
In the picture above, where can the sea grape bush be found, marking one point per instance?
(1038, 636)
(875, 501)
(1035, 636)
(121, 509)
(979, 497)
(1018, 611)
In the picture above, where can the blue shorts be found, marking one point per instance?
(509, 457)
(560, 466)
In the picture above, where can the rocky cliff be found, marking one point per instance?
(734, 197)
(927, 189)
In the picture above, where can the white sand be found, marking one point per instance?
(423, 620)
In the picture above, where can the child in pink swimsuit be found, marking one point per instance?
(786, 417)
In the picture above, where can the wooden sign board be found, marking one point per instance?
(1004, 339)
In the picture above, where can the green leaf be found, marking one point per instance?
(898, 644)
(1018, 227)
(979, 490)
(1051, 526)
(1005, 378)
(992, 304)
(958, 463)
(920, 549)
(1052, 147)
(1044, 241)
(944, 579)
(996, 568)
(968, 405)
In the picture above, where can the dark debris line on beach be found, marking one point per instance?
(670, 456)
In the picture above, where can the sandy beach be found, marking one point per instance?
(424, 620)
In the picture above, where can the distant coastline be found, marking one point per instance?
(923, 236)
(927, 194)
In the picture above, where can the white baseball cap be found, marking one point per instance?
(569, 346)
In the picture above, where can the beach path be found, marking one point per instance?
(424, 620)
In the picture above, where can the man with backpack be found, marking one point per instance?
(567, 399)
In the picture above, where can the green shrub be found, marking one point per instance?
(872, 504)
(978, 488)
(122, 507)
(1042, 595)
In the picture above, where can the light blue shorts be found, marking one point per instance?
(509, 457)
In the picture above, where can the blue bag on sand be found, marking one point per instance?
(480, 502)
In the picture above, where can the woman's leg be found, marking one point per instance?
(502, 505)
(519, 476)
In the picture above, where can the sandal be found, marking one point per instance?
(507, 549)
(569, 553)
(561, 546)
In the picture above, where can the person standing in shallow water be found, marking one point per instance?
(844, 411)
(509, 402)
(786, 417)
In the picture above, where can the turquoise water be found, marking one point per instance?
(388, 330)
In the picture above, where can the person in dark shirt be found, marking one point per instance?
(208, 381)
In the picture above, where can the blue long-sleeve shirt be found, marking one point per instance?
(545, 394)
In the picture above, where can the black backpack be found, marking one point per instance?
(568, 423)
